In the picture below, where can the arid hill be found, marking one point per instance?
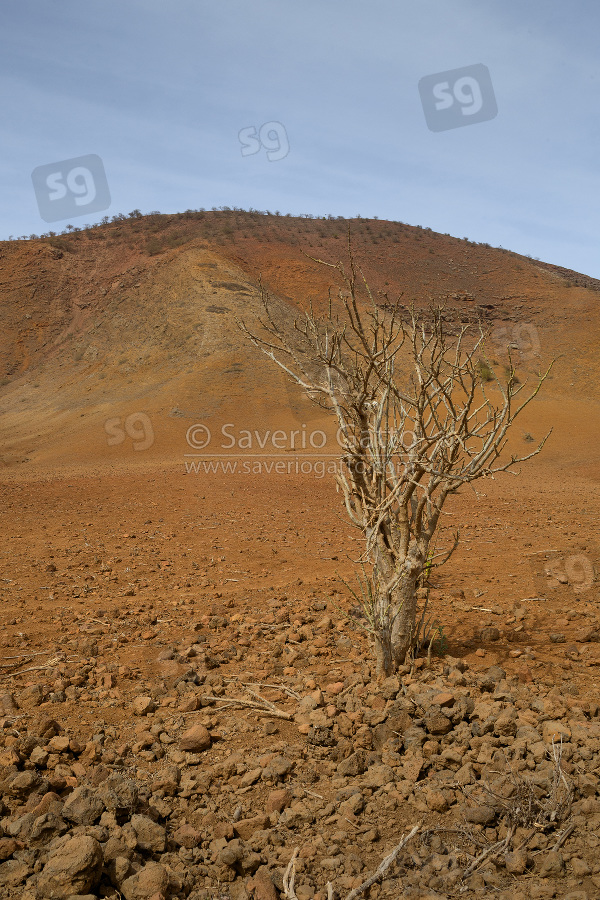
(137, 318)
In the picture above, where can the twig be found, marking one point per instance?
(312, 794)
(50, 665)
(14, 664)
(385, 865)
(490, 853)
(21, 655)
(289, 877)
(564, 835)
(269, 709)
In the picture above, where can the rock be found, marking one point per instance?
(557, 638)
(278, 800)
(74, 868)
(142, 706)
(119, 795)
(150, 836)
(195, 739)
(554, 731)
(39, 757)
(495, 674)
(377, 776)
(13, 872)
(118, 869)
(187, 836)
(151, 880)
(276, 769)
(444, 699)
(506, 723)
(24, 783)
(7, 703)
(45, 828)
(516, 862)
(59, 743)
(30, 697)
(353, 765)
(83, 806)
(479, 815)
(335, 688)
(437, 723)
(263, 886)
(414, 737)
(8, 847)
(489, 633)
(436, 801)
(231, 853)
(550, 864)
(579, 867)
(245, 828)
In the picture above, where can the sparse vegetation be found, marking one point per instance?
(350, 364)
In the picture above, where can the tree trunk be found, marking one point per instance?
(403, 630)
(383, 654)
(405, 607)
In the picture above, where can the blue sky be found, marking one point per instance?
(160, 92)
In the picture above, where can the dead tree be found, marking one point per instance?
(418, 421)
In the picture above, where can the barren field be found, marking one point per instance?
(187, 689)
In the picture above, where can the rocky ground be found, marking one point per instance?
(184, 702)
(216, 778)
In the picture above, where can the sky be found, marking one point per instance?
(477, 118)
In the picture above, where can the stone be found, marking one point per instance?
(142, 706)
(436, 801)
(444, 699)
(414, 737)
(187, 836)
(83, 806)
(150, 836)
(13, 872)
(245, 828)
(437, 723)
(516, 862)
(74, 868)
(550, 864)
(554, 731)
(263, 886)
(278, 800)
(45, 828)
(506, 723)
(495, 674)
(24, 783)
(335, 688)
(378, 775)
(489, 633)
(479, 815)
(579, 867)
(119, 795)
(353, 765)
(231, 853)
(195, 739)
(8, 846)
(118, 869)
(152, 879)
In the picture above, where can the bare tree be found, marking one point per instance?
(418, 421)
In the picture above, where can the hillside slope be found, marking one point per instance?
(120, 337)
